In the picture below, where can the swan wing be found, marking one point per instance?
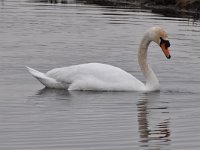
(95, 76)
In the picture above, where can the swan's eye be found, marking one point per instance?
(166, 42)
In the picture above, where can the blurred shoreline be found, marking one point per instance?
(175, 8)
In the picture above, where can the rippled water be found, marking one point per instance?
(44, 36)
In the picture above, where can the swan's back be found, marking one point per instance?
(95, 76)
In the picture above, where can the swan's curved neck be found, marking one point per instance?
(152, 82)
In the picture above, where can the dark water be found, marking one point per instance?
(44, 36)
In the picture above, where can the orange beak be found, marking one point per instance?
(165, 50)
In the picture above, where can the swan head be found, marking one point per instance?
(159, 36)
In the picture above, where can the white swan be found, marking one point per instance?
(103, 77)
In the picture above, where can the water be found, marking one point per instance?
(44, 36)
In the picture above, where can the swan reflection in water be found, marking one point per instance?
(153, 114)
(154, 134)
(48, 92)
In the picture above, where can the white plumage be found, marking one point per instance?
(103, 77)
(91, 76)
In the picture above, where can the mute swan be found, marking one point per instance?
(103, 77)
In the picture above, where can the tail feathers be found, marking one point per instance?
(44, 79)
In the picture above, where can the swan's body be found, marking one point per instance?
(92, 76)
(103, 77)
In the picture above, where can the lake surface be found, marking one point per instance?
(44, 36)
